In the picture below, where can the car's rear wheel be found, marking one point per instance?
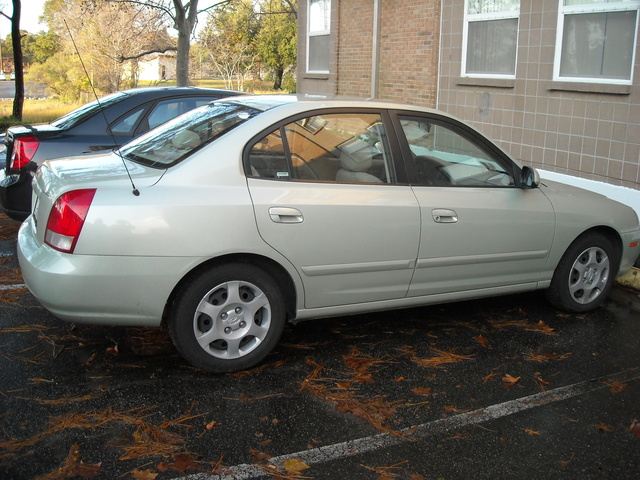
(585, 274)
(227, 318)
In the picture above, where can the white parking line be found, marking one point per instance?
(15, 286)
(351, 448)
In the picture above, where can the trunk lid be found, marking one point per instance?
(100, 171)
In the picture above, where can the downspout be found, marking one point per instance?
(439, 58)
(375, 49)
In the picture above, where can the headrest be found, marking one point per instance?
(356, 156)
(186, 139)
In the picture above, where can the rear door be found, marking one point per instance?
(479, 229)
(328, 196)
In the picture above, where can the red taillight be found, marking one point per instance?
(67, 218)
(24, 148)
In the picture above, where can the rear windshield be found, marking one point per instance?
(175, 140)
(72, 118)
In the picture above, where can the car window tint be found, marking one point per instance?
(126, 124)
(336, 147)
(79, 114)
(168, 109)
(267, 158)
(175, 140)
(444, 157)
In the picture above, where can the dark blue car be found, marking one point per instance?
(101, 125)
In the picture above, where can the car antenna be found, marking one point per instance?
(135, 191)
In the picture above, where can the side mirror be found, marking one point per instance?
(529, 178)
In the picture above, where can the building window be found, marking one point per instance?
(596, 41)
(319, 29)
(490, 38)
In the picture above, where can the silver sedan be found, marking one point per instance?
(250, 212)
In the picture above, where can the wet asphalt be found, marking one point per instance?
(499, 388)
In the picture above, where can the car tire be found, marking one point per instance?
(583, 278)
(227, 318)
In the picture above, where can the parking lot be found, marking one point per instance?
(498, 388)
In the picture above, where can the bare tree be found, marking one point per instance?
(183, 16)
(18, 99)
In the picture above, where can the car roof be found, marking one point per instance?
(303, 102)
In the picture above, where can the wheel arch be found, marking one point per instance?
(270, 266)
(613, 236)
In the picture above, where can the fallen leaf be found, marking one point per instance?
(143, 474)
(635, 428)
(542, 328)
(113, 350)
(616, 387)
(453, 409)
(509, 381)
(424, 391)
(295, 466)
(532, 432)
(481, 340)
(566, 463)
(604, 428)
(489, 377)
(261, 457)
(181, 463)
(74, 467)
(212, 425)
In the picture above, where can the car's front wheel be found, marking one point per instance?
(227, 318)
(585, 274)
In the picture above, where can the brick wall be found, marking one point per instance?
(409, 37)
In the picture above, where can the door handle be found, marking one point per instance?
(444, 215)
(285, 215)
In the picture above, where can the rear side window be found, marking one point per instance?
(71, 119)
(171, 108)
(333, 147)
(178, 138)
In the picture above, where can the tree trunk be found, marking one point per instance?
(18, 100)
(277, 82)
(185, 21)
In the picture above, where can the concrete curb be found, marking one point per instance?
(630, 279)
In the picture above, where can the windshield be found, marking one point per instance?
(70, 119)
(177, 139)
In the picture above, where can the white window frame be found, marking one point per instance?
(316, 33)
(624, 6)
(483, 17)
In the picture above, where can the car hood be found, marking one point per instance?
(93, 171)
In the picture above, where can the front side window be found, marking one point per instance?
(319, 29)
(335, 147)
(596, 41)
(176, 139)
(444, 157)
(491, 38)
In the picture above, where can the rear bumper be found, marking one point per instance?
(109, 290)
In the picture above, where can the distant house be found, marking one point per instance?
(555, 82)
(156, 67)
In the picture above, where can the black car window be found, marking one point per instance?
(79, 114)
(126, 124)
(167, 109)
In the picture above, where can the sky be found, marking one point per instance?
(31, 10)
